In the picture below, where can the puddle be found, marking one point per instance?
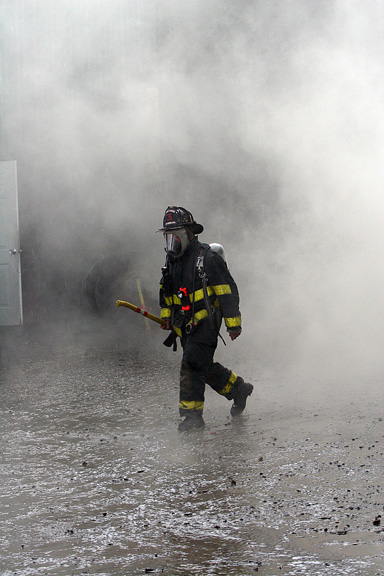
(95, 478)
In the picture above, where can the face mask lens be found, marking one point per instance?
(172, 244)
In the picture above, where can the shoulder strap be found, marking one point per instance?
(200, 260)
(200, 267)
(204, 278)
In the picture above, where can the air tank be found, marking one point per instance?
(220, 250)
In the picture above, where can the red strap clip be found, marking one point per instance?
(184, 294)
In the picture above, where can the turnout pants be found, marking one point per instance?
(199, 369)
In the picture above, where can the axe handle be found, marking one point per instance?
(140, 311)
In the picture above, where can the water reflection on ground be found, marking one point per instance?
(97, 480)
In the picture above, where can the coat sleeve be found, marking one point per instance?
(225, 288)
(165, 311)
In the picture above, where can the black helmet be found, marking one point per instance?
(178, 217)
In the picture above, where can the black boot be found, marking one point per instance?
(244, 389)
(191, 421)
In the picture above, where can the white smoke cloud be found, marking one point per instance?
(263, 118)
(324, 258)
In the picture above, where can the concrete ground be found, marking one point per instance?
(96, 479)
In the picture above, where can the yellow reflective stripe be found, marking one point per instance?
(199, 294)
(172, 300)
(177, 330)
(191, 405)
(229, 385)
(165, 313)
(200, 316)
(232, 322)
(222, 289)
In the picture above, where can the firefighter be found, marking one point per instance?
(197, 292)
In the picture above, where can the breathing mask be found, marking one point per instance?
(176, 242)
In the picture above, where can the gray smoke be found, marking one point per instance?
(263, 118)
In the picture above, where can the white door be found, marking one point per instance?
(11, 312)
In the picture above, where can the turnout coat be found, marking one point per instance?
(185, 302)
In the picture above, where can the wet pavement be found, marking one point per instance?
(95, 478)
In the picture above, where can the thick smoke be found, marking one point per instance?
(264, 118)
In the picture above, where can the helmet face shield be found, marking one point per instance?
(176, 242)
